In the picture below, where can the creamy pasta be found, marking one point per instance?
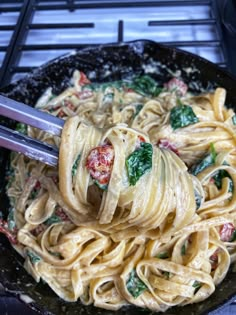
(142, 207)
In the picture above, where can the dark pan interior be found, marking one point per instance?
(107, 63)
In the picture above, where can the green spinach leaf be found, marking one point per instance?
(182, 116)
(56, 254)
(135, 285)
(35, 191)
(218, 179)
(166, 274)
(75, 165)
(197, 285)
(145, 85)
(22, 128)
(198, 199)
(34, 258)
(115, 84)
(139, 162)
(10, 175)
(101, 186)
(206, 162)
(138, 108)
(163, 255)
(234, 119)
(183, 249)
(53, 219)
(233, 237)
(11, 220)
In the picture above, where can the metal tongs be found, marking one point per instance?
(16, 141)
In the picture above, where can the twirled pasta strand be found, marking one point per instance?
(156, 243)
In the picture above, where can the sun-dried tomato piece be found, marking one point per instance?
(61, 114)
(69, 105)
(128, 89)
(214, 260)
(55, 179)
(177, 85)
(61, 214)
(226, 232)
(83, 80)
(35, 190)
(84, 94)
(11, 235)
(139, 141)
(38, 230)
(166, 144)
(99, 163)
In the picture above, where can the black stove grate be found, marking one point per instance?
(25, 25)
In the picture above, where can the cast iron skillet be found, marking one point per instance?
(107, 63)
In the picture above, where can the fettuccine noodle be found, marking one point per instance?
(142, 207)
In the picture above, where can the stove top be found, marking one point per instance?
(33, 32)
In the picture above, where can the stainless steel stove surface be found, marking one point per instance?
(33, 32)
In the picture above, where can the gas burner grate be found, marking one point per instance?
(35, 31)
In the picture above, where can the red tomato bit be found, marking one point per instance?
(166, 144)
(12, 236)
(55, 179)
(99, 163)
(214, 260)
(84, 94)
(83, 80)
(35, 190)
(177, 85)
(61, 114)
(139, 141)
(38, 230)
(69, 105)
(226, 232)
(61, 214)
